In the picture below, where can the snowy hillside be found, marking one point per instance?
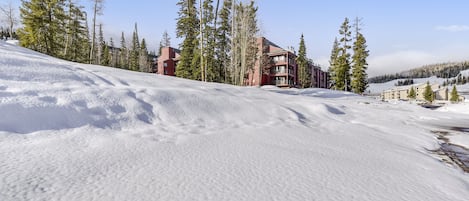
(377, 88)
(70, 131)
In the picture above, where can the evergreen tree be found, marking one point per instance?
(304, 72)
(360, 65)
(76, 43)
(223, 40)
(208, 42)
(143, 57)
(454, 95)
(134, 51)
(123, 54)
(412, 94)
(105, 58)
(113, 54)
(101, 46)
(43, 28)
(342, 71)
(428, 93)
(187, 26)
(333, 63)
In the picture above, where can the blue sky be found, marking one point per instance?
(400, 34)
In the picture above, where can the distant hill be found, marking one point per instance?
(440, 70)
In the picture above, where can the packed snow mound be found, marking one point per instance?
(72, 131)
(43, 93)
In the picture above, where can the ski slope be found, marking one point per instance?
(71, 131)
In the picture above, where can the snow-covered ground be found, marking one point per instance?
(70, 131)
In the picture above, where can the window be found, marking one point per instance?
(165, 64)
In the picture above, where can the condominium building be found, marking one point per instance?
(167, 61)
(274, 66)
(402, 92)
(280, 68)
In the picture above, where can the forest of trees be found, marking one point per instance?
(219, 42)
(60, 28)
(342, 61)
(441, 70)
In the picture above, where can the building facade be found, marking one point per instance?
(277, 66)
(167, 61)
(273, 66)
(319, 78)
(402, 92)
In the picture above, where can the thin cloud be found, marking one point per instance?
(453, 28)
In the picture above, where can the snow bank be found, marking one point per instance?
(71, 131)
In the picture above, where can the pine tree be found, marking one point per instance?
(428, 93)
(101, 46)
(134, 51)
(208, 42)
(223, 40)
(304, 72)
(342, 72)
(105, 58)
(454, 95)
(360, 65)
(76, 43)
(412, 94)
(333, 63)
(143, 57)
(113, 54)
(43, 28)
(187, 26)
(123, 54)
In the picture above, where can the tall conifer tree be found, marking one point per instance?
(359, 63)
(223, 40)
(134, 51)
(187, 26)
(304, 72)
(333, 64)
(342, 71)
(123, 53)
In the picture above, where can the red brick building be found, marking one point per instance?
(320, 79)
(279, 66)
(167, 61)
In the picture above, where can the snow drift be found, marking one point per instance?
(71, 131)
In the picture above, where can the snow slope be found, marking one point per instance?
(378, 88)
(70, 131)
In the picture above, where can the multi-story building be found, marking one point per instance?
(167, 61)
(278, 66)
(319, 78)
(274, 66)
(402, 92)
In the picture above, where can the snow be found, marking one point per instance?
(71, 131)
